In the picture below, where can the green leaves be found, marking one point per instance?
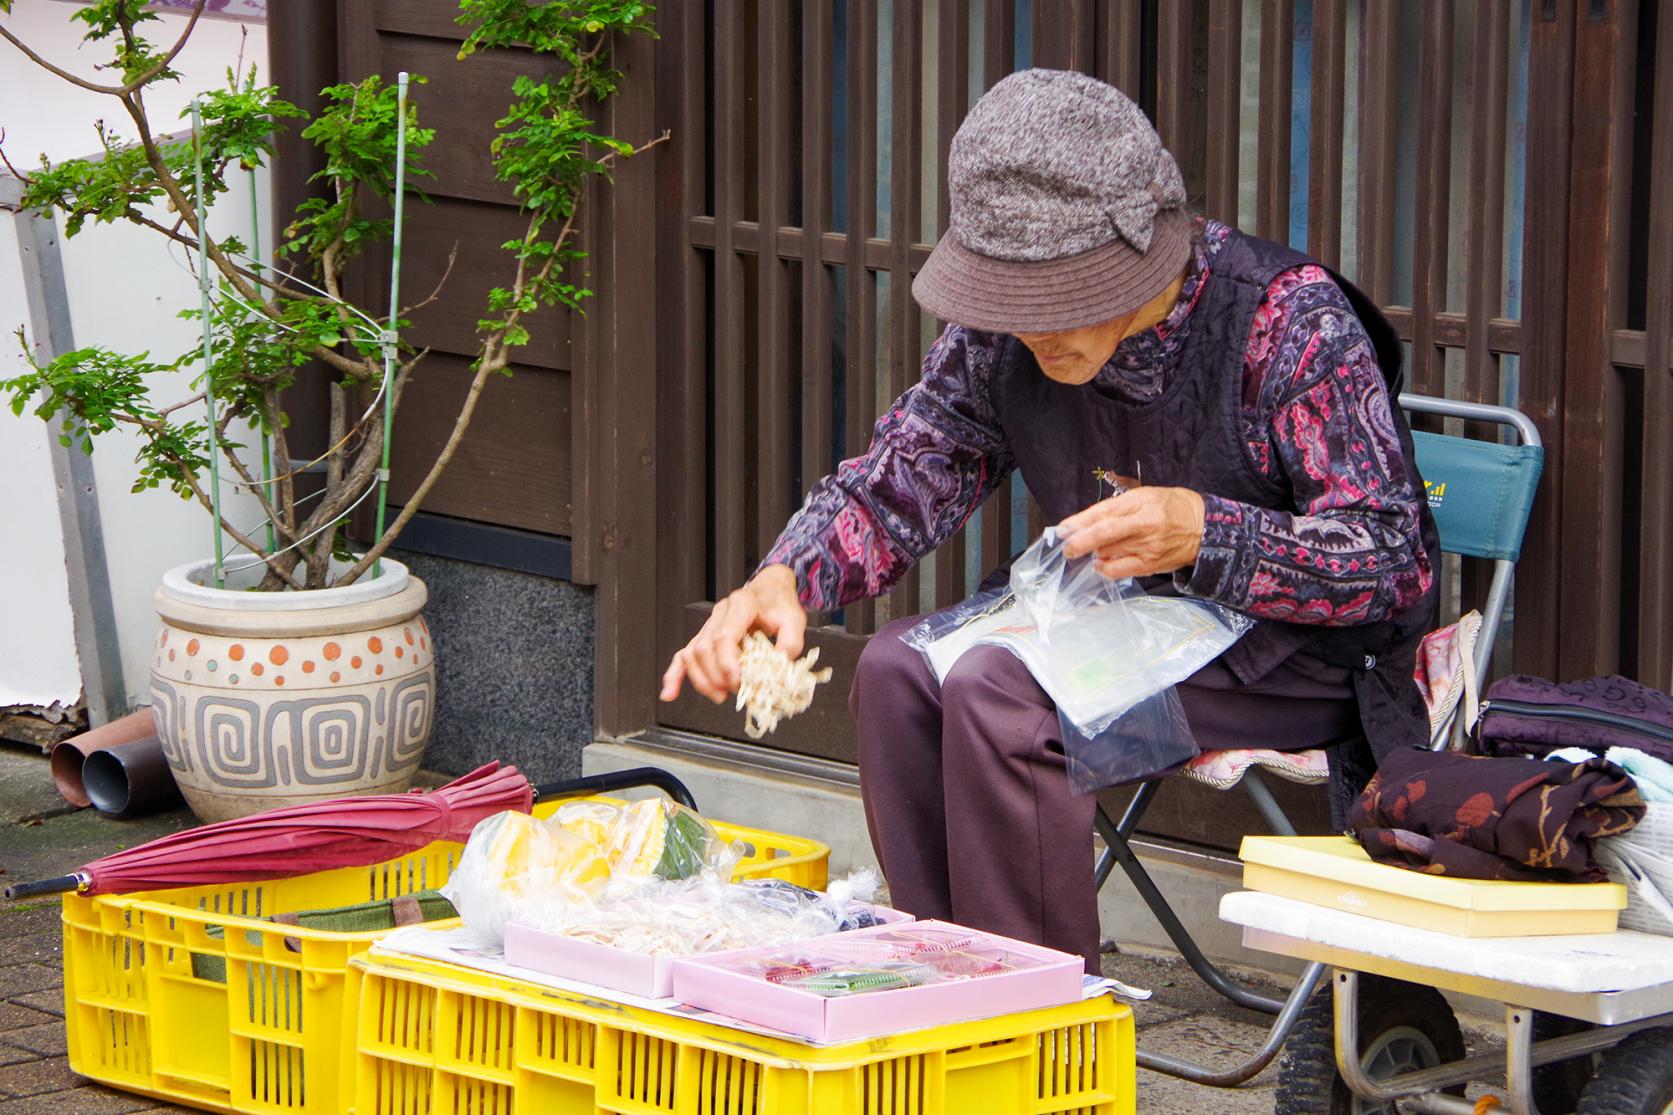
(267, 323)
(89, 391)
(567, 28)
(547, 146)
(118, 20)
(240, 124)
(356, 132)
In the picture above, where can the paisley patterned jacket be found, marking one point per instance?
(1315, 412)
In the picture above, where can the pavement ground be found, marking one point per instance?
(40, 836)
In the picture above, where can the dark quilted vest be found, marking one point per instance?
(1190, 437)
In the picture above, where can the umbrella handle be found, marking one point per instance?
(46, 886)
(618, 780)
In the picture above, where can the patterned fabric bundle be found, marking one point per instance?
(1481, 818)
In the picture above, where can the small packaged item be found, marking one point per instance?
(879, 981)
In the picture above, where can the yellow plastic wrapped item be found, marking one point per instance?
(652, 837)
(515, 864)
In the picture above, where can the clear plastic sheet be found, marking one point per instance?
(905, 957)
(686, 917)
(1107, 653)
(514, 862)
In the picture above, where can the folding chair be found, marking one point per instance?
(1480, 493)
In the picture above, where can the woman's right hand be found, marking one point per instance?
(768, 603)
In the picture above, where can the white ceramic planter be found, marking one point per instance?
(270, 699)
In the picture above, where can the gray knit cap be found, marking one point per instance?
(1066, 210)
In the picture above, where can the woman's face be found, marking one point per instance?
(1074, 356)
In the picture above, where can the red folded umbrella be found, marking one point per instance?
(299, 839)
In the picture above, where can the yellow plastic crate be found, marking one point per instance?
(268, 1040)
(438, 1039)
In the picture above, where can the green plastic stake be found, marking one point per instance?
(266, 435)
(208, 342)
(389, 334)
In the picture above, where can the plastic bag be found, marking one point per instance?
(514, 862)
(1097, 646)
(685, 917)
(513, 859)
(651, 837)
(1108, 654)
(1147, 739)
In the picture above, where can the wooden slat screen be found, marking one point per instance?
(516, 466)
(802, 236)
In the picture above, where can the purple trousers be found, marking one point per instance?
(967, 796)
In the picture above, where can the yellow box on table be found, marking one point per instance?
(445, 1040)
(191, 996)
(1335, 872)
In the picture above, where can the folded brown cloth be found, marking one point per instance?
(1443, 813)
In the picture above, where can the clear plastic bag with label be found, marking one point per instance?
(1100, 648)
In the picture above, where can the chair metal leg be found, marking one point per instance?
(1266, 803)
(1129, 821)
(1118, 851)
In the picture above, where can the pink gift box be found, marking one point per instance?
(729, 983)
(637, 973)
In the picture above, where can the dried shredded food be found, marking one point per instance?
(771, 687)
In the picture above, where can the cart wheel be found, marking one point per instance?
(1557, 1086)
(1636, 1077)
(1402, 1027)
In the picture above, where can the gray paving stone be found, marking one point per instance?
(39, 1077)
(87, 1100)
(16, 1016)
(47, 1001)
(47, 1040)
(12, 1055)
(22, 979)
(1165, 1095)
(1153, 1013)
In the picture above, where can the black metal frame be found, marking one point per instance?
(1117, 835)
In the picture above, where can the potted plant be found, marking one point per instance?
(289, 667)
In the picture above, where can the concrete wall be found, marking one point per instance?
(125, 289)
(514, 668)
(38, 664)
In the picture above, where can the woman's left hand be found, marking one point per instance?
(1139, 532)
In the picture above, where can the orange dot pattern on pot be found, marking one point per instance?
(296, 663)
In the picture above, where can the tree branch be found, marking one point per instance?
(90, 86)
(209, 505)
(452, 255)
(256, 489)
(162, 63)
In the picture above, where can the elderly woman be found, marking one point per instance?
(1209, 412)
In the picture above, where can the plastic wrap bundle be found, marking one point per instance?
(514, 862)
(686, 917)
